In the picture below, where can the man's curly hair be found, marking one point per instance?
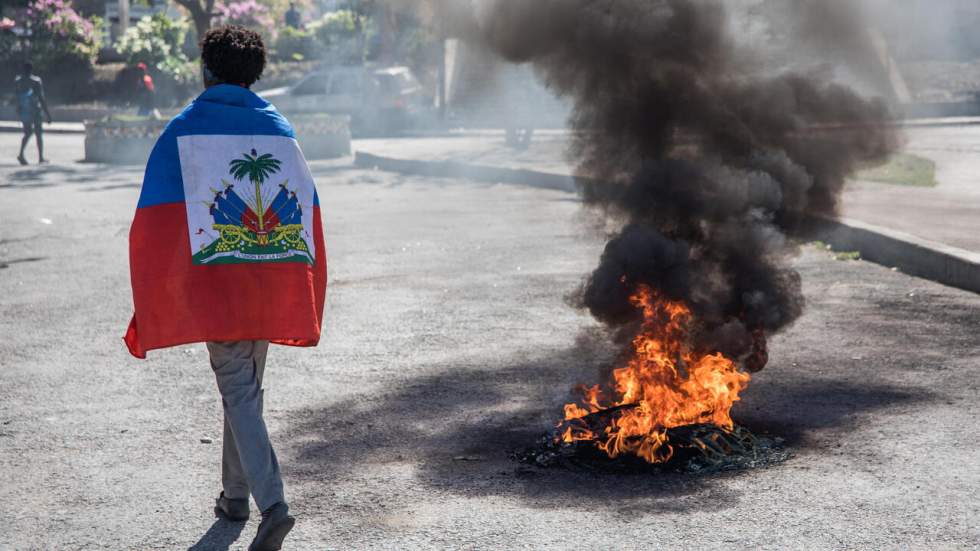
(233, 54)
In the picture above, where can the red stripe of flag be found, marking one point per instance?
(178, 302)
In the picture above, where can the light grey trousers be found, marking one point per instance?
(248, 462)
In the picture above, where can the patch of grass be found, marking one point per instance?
(903, 169)
(125, 117)
(843, 256)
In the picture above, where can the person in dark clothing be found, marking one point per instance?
(518, 99)
(293, 17)
(31, 104)
(146, 92)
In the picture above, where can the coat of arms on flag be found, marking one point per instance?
(249, 199)
(228, 211)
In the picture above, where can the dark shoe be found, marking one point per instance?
(235, 510)
(43, 162)
(276, 523)
(21, 160)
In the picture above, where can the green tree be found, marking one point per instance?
(201, 12)
(158, 41)
(63, 43)
(342, 34)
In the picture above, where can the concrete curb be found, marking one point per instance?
(894, 249)
(913, 255)
(455, 169)
(940, 122)
(53, 128)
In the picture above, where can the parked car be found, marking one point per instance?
(377, 100)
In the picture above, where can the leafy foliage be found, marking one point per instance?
(158, 41)
(247, 13)
(297, 45)
(201, 12)
(337, 26)
(8, 40)
(343, 34)
(62, 42)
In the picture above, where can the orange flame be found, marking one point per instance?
(664, 384)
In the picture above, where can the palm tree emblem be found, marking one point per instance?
(257, 168)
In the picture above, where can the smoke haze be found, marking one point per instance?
(706, 160)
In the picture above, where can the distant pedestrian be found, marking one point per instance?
(227, 248)
(30, 105)
(146, 92)
(294, 18)
(519, 112)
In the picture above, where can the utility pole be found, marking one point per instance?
(443, 96)
(123, 12)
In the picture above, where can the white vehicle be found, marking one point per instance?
(377, 100)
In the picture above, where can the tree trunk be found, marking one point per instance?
(202, 22)
(200, 12)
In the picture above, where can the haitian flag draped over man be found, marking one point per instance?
(227, 241)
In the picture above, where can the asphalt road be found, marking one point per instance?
(948, 213)
(449, 342)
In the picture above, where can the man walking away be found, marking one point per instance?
(30, 104)
(227, 248)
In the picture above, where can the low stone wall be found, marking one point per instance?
(121, 141)
(323, 136)
(129, 141)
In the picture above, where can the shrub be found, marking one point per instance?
(64, 45)
(158, 42)
(8, 40)
(337, 26)
(9, 54)
(297, 45)
(343, 35)
(247, 13)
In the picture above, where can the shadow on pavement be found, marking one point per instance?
(458, 426)
(42, 172)
(792, 406)
(112, 187)
(7, 263)
(27, 186)
(60, 174)
(219, 536)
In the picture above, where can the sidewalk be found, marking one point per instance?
(486, 148)
(54, 128)
(948, 213)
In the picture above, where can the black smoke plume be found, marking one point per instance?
(708, 162)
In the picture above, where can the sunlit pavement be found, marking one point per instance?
(55, 128)
(449, 342)
(948, 213)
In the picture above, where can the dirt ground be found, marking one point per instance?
(448, 343)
